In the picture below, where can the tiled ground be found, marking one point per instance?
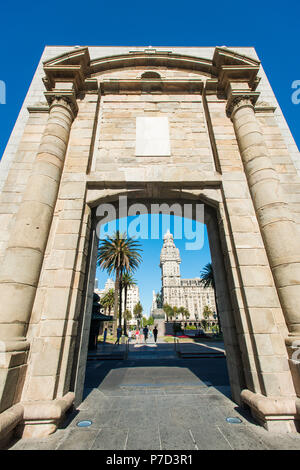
(154, 400)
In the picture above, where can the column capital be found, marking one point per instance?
(65, 98)
(237, 100)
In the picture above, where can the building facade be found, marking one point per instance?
(133, 297)
(157, 125)
(178, 292)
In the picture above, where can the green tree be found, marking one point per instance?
(119, 254)
(150, 320)
(168, 311)
(108, 300)
(184, 312)
(208, 280)
(172, 313)
(127, 281)
(207, 313)
(127, 317)
(137, 312)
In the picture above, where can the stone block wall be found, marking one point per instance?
(207, 163)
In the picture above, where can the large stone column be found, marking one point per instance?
(280, 234)
(24, 255)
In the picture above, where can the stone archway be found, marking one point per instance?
(243, 331)
(220, 156)
(224, 302)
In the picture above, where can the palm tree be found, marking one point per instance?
(137, 312)
(172, 313)
(168, 311)
(208, 280)
(184, 312)
(127, 317)
(108, 300)
(118, 254)
(127, 281)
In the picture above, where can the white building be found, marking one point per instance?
(177, 292)
(133, 296)
(110, 284)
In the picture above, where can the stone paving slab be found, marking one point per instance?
(241, 437)
(209, 438)
(175, 438)
(78, 440)
(168, 404)
(140, 438)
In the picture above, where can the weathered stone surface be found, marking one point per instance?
(79, 150)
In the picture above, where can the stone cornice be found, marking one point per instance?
(246, 74)
(155, 59)
(68, 73)
(151, 85)
(237, 78)
(38, 108)
(74, 70)
(226, 56)
(263, 107)
(223, 57)
(78, 56)
(66, 77)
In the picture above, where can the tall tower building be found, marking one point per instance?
(170, 269)
(178, 292)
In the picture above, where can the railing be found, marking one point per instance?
(177, 345)
(126, 349)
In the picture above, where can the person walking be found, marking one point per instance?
(129, 335)
(155, 333)
(137, 333)
(145, 331)
(119, 334)
(141, 336)
(104, 335)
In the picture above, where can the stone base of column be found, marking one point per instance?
(9, 419)
(42, 418)
(293, 350)
(13, 358)
(33, 419)
(276, 414)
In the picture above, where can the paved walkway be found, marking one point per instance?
(156, 400)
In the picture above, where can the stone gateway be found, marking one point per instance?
(165, 125)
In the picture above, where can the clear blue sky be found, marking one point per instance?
(273, 29)
(148, 275)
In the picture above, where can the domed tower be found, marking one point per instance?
(170, 271)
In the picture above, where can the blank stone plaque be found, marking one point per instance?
(152, 137)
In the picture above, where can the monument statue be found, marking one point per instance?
(159, 301)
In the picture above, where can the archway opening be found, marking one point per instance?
(196, 339)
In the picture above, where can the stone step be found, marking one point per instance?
(100, 357)
(201, 355)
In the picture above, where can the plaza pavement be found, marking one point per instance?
(157, 400)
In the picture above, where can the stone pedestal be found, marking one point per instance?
(159, 317)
